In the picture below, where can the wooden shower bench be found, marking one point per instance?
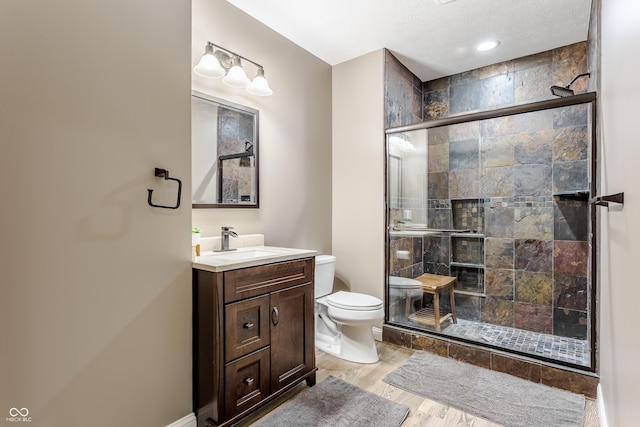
(435, 284)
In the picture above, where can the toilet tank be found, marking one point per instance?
(324, 272)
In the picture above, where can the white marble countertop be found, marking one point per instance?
(247, 257)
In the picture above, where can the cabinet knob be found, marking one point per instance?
(248, 325)
(249, 381)
(275, 316)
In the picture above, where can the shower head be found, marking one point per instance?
(561, 91)
(564, 91)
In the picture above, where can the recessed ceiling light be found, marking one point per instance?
(488, 45)
(442, 1)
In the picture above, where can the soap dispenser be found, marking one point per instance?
(195, 243)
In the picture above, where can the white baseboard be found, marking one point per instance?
(377, 333)
(186, 421)
(602, 414)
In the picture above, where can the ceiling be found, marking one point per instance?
(433, 38)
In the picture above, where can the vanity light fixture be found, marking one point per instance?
(224, 63)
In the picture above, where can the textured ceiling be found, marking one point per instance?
(433, 40)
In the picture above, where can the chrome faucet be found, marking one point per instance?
(224, 234)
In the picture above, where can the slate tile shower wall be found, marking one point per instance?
(536, 248)
(403, 94)
(498, 177)
(515, 82)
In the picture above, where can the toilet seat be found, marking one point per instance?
(354, 301)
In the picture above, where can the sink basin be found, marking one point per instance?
(249, 256)
(243, 255)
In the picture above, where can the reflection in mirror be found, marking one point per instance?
(407, 177)
(224, 153)
(395, 180)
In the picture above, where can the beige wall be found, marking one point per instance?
(95, 285)
(358, 173)
(95, 316)
(295, 130)
(620, 228)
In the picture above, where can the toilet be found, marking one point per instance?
(344, 319)
(405, 296)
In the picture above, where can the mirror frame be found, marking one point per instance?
(243, 109)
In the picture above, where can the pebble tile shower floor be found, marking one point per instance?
(563, 349)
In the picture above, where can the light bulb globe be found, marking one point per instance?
(236, 77)
(259, 86)
(209, 67)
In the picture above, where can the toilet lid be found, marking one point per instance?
(354, 301)
(404, 283)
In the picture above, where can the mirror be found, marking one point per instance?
(224, 153)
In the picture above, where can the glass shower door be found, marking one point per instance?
(407, 189)
(501, 205)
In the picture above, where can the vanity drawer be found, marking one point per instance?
(247, 382)
(247, 326)
(254, 281)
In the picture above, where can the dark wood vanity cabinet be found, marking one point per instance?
(253, 337)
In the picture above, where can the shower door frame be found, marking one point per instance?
(585, 98)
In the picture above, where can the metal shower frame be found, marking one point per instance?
(584, 98)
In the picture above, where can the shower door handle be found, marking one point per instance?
(275, 316)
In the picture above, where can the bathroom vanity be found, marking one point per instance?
(253, 329)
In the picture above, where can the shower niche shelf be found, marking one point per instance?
(470, 278)
(467, 249)
(466, 265)
(573, 195)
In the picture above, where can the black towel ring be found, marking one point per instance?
(163, 173)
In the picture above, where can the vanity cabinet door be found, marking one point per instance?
(247, 326)
(246, 382)
(292, 335)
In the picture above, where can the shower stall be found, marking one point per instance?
(497, 203)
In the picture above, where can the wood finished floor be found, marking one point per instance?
(424, 412)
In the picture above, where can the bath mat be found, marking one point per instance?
(494, 396)
(336, 403)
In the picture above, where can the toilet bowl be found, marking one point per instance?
(405, 296)
(344, 319)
